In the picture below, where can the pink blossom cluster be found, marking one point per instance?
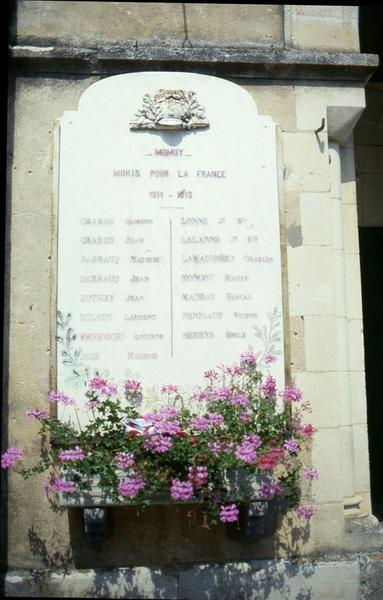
(200, 395)
(61, 398)
(269, 387)
(133, 390)
(124, 460)
(59, 485)
(239, 400)
(228, 513)
(306, 512)
(248, 360)
(158, 443)
(170, 389)
(216, 448)
(11, 457)
(233, 371)
(164, 421)
(37, 413)
(211, 374)
(91, 404)
(222, 393)
(268, 490)
(292, 394)
(253, 438)
(181, 490)
(306, 431)
(270, 358)
(198, 475)
(246, 452)
(72, 454)
(129, 487)
(245, 417)
(98, 384)
(202, 423)
(291, 445)
(310, 473)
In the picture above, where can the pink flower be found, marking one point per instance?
(222, 393)
(200, 423)
(270, 386)
(91, 404)
(305, 512)
(239, 400)
(211, 374)
(129, 488)
(248, 359)
(306, 431)
(133, 390)
(158, 443)
(102, 386)
(11, 457)
(228, 513)
(291, 394)
(181, 490)
(310, 473)
(132, 385)
(216, 419)
(60, 397)
(245, 417)
(200, 395)
(59, 485)
(291, 445)
(124, 460)
(37, 413)
(72, 454)
(246, 452)
(270, 358)
(198, 475)
(170, 389)
(233, 371)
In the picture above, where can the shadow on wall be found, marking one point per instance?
(175, 548)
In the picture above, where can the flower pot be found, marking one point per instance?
(257, 520)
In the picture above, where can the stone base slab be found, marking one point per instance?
(341, 577)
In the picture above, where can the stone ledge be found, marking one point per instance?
(340, 577)
(237, 61)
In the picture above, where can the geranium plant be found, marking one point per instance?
(240, 424)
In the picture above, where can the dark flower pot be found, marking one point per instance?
(257, 520)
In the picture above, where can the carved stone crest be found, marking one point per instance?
(170, 109)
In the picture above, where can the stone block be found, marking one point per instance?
(322, 391)
(138, 582)
(358, 396)
(326, 457)
(374, 576)
(305, 161)
(276, 101)
(327, 532)
(350, 228)
(312, 103)
(316, 219)
(297, 343)
(272, 580)
(321, 343)
(234, 24)
(311, 280)
(95, 24)
(362, 464)
(329, 29)
(353, 285)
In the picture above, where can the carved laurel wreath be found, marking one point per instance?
(170, 109)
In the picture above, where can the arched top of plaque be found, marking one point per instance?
(172, 110)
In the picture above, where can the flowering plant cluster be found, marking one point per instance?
(241, 423)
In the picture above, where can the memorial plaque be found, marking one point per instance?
(168, 232)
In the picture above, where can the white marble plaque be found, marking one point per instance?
(168, 239)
